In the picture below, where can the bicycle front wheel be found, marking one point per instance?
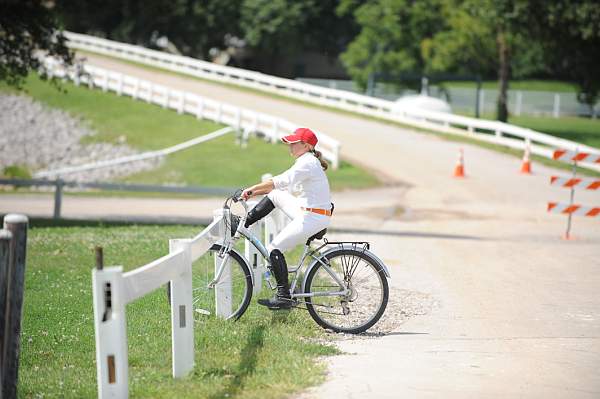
(367, 296)
(230, 297)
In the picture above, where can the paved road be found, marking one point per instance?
(517, 308)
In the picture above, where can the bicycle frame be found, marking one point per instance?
(257, 243)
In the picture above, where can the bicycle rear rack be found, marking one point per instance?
(355, 245)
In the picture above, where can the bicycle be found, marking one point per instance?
(344, 288)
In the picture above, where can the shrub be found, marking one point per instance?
(16, 172)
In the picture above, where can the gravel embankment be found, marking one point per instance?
(41, 138)
(402, 305)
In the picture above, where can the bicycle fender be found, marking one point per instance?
(369, 253)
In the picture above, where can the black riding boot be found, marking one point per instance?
(262, 209)
(282, 299)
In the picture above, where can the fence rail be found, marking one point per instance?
(241, 119)
(133, 158)
(489, 131)
(113, 290)
(58, 185)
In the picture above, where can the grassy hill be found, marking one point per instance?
(149, 127)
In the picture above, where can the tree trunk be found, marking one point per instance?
(503, 72)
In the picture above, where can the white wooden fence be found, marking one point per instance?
(484, 130)
(241, 119)
(54, 173)
(113, 290)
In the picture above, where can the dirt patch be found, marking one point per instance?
(402, 305)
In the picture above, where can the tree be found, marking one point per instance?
(570, 33)
(280, 28)
(28, 30)
(483, 36)
(193, 26)
(390, 38)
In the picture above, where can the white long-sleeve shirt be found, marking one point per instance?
(307, 181)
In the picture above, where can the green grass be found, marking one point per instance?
(534, 85)
(263, 355)
(582, 130)
(220, 162)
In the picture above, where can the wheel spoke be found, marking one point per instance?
(237, 276)
(367, 287)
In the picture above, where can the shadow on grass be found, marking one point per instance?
(248, 360)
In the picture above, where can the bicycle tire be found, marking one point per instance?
(204, 297)
(338, 260)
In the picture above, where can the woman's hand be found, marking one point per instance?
(258, 189)
(247, 193)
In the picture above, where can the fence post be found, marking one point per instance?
(13, 311)
(223, 289)
(167, 98)
(182, 315)
(336, 157)
(519, 104)
(219, 112)
(58, 197)
(482, 102)
(181, 104)
(105, 82)
(238, 119)
(111, 335)
(200, 108)
(275, 136)
(556, 111)
(136, 89)
(119, 85)
(252, 254)
(5, 237)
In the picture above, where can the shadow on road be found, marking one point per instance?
(406, 234)
(386, 334)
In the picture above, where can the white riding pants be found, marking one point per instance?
(303, 225)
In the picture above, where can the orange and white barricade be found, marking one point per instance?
(586, 184)
(557, 207)
(572, 183)
(575, 156)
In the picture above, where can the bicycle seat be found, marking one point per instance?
(316, 236)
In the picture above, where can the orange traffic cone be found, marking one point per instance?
(526, 164)
(459, 170)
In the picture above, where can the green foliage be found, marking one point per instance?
(263, 355)
(390, 36)
(27, 27)
(276, 24)
(569, 31)
(193, 26)
(16, 172)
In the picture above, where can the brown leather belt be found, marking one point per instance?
(325, 212)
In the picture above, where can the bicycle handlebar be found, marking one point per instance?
(238, 196)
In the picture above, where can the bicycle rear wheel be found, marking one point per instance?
(357, 311)
(234, 288)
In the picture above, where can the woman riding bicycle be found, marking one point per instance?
(302, 193)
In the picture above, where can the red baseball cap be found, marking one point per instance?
(301, 134)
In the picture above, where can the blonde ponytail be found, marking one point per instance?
(319, 156)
